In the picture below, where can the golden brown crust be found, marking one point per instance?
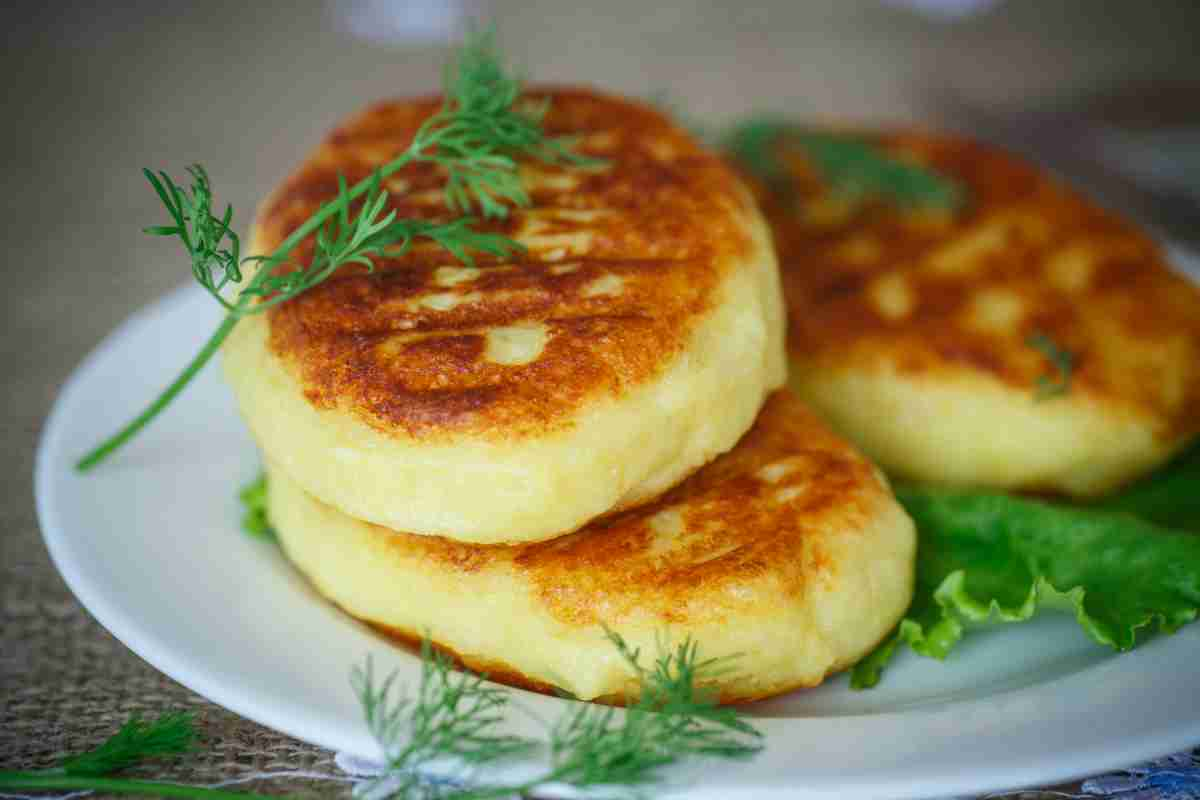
(622, 261)
(786, 526)
(932, 292)
(502, 672)
(737, 522)
(494, 669)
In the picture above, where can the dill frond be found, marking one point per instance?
(477, 137)
(481, 128)
(454, 716)
(135, 741)
(1061, 359)
(674, 718)
(854, 169)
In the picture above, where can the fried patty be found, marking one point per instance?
(517, 400)
(789, 552)
(937, 339)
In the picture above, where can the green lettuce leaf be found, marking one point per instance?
(253, 497)
(1170, 496)
(994, 558)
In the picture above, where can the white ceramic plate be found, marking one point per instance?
(150, 543)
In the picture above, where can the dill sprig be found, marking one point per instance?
(476, 137)
(454, 718)
(673, 719)
(374, 233)
(854, 169)
(1061, 359)
(453, 722)
(211, 244)
(136, 742)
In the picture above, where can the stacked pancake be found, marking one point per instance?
(510, 457)
(1026, 341)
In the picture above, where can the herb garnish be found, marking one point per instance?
(992, 558)
(454, 717)
(476, 137)
(854, 169)
(253, 497)
(453, 720)
(134, 743)
(1061, 359)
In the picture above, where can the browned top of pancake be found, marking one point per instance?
(750, 528)
(932, 291)
(622, 260)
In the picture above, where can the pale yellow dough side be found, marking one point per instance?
(618, 452)
(928, 336)
(791, 614)
(971, 430)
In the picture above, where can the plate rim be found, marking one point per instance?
(307, 725)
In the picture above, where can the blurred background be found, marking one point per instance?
(1106, 91)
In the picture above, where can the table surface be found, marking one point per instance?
(94, 92)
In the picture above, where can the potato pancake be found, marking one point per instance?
(634, 341)
(788, 552)
(1028, 340)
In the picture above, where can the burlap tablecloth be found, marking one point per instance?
(96, 91)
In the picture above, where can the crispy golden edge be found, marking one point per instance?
(672, 222)
(873, 285)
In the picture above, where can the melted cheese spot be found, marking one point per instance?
(996, 310)
(573, 242)
(667, 534)
(557, 255)
(516, 344)
(536, 178)
(396, 185)
(963, 256)
(394, 344)
(788, 494)
(565, 269)
(447, 301)
(577, 215)
(607, 286)
(428, 197)
(601, 140)
(543, 231)
(663, 151)
(776, 471)
(1071, 268)
(966, 254)
(452, 276)
(668, 522)
(892, 296)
